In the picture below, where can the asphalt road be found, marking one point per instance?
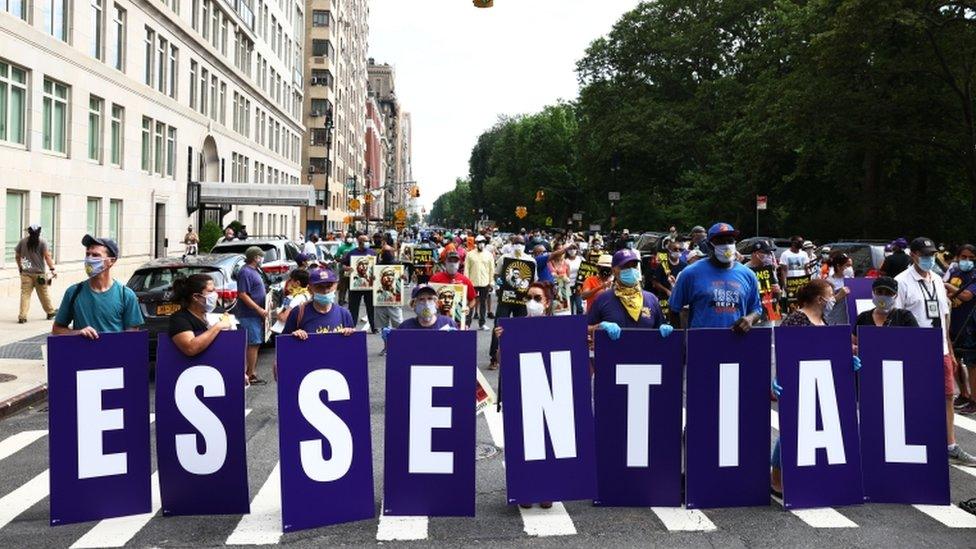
(24, 505)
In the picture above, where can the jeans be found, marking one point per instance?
(343, 289)
(483, 293)
(577, 303)
(504, 310)
(354, 299)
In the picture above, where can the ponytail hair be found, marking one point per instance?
(185, 287)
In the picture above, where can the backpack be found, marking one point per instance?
(74, 297)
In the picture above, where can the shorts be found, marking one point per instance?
(948, 375)
(254, 328)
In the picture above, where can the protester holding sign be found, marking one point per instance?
(510, 276)
(924, 294)
(360, 291)
(665, 274)
(423, 300)
(452, 275)
(99, 304)
(188, 327)
(719, 292)
(960, 286)
(884, 292)
(761, 263)
(596, 284)
(627, 306)
(323, 315)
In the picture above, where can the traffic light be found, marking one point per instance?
(415, 192)
(483, 3)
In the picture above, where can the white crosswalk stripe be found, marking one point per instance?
(14, 443)
(401, 528)
(24, 497)
(683, 520)
(116, 532)
(263, 525)
(949, 515)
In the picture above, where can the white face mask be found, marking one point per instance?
(451, 267)
(426, 311)
(849, 272)
(519, 249)
(210, 302)
(534, 308)
(725, 253)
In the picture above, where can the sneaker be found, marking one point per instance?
(960, 402)
(959, 456)
(383, 352)
(491, 315)
(485, 327)
(968, 409)
(21, 321)
(52, 314)
(493, 365)
(546, 505)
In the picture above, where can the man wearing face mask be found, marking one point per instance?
(924, 294)
(356, 298)
(347, 245)
(761, 263)
(665, 273)
(719, 291)
(99, 304)
(627, 305)
(479, 265)
(452, 275)
(596, 284)
(423, 301)
(505, 310)
(250, 311)
(960, 286)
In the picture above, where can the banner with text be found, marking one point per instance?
(200, 442)
(98, 412)
(637, 403)
(430, 423)
(818, 417)
(324, 431)
(548, 415)
(902, 405)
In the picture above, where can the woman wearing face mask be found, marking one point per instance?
(188, 327)
(423, 301)
(627, 305)
(841, 268)
(321, 315)
(573, 261)
(884, 291)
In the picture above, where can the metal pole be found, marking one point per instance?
(757, 220)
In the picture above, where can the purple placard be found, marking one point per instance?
(547, 469)
(814, 476)
(430, 423)
(903, 456)
(98, 412)
(727, 462)
(327, 376)
(202, 462)
(860, 297)
(637, 401)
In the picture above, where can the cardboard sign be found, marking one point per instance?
(586, 270)
(361, 276)
(452, 302)
(388, 286)
(517, 274)
(793, 285)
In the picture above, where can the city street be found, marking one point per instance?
(24, 503)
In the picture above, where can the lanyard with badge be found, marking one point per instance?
(931, 304)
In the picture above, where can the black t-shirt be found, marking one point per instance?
(895, 263)
(185, 321)
(899, 318)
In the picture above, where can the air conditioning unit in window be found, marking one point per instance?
(316, 114)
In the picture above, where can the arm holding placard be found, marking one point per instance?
(191, 345)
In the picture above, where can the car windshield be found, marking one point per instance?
(270, 252)
(163, 277)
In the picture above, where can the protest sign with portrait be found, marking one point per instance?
(517, 274)
(388, 286)
(451, 302)
(361, 277)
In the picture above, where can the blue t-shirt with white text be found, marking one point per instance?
(716, 297)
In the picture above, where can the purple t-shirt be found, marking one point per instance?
(315, 322)
(439, 324)
(608, 308)
(249, 281)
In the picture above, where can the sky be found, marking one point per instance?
(459, 67)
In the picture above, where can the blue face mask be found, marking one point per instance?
(324, 299)
(926, 263)
(966, 265)
(629, 277)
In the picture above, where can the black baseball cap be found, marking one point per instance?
(111, 245)
(923, 246)
(761, 246)
(885, 282)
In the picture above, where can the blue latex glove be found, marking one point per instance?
(612, 329)
(777, 388)
(856, 363)
(666, 330)
(385, 332)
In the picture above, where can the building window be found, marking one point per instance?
(223, 103)
(17, 8)
(13, 103)
(204, 78)
(171, 152)
(16, 204)
(117, 135)
(193, 84)
(115, 221)
(150, 42)
(236, 124)
(322, 77)
(95, 108)
(92, 225)
(97, 29)
(205, 20)
(213, 97)
(161, 48)
(147, 144)
(322, 48)
(55, 14)
(117, 55)
(321, 107)
(159, 150)
(174, 55)
(320, 18)
(320, 137)
(55, 117)
(50, 222)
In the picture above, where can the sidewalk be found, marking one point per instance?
(23, 368)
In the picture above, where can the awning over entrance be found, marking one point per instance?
(256, 194)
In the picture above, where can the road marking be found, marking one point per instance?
(949, 515)
(547, 522)
(263, 525)
(401, 528)
(964, 422)
(117, 531)
(774, 419)
(494, 419)
(967, 470)
(14, 443)
(683, 520)
(24, 497)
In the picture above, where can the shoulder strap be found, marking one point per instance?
(301, 314)
(71, 302)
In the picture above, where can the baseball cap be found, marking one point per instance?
(698, 229)
(624, 256)
(900, 243)
(322, 276)
(422, 288)
(253, 252)
(605, 260)
(721, 229)
(113, 246)
(479, 238)
(923, 245)
(885, 282)
(761, 246)
(302, 258)
(452, 255)
(807, 245)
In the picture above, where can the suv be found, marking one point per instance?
(153, 284)
(280, 254)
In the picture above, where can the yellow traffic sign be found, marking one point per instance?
(400, 214)
(354, 204)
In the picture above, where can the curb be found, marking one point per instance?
(28, 398)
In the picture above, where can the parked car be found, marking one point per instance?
(280, 254)
(649, 243)
(152, 283)
(866, 256)
(779, 244)
(327, 250)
